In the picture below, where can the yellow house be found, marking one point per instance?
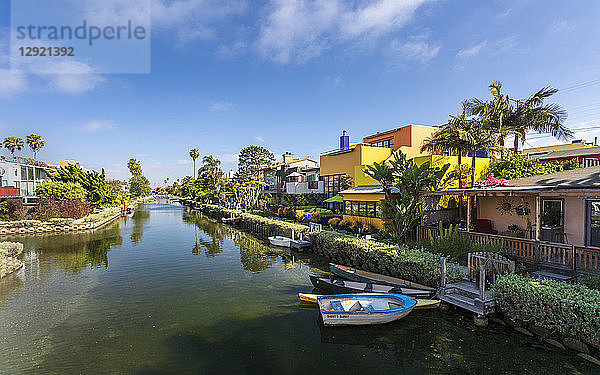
(409, 139)
(481, 165)
(363, 203)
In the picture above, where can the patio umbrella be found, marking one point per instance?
(335, 199)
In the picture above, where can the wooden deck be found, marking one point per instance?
(554, 255)
(465, 295)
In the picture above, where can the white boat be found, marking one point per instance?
(364, 308)
(280, 241)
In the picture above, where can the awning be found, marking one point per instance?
(335, 199)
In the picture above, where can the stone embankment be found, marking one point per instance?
(9, 251)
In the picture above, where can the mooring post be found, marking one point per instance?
(443, 284)
(482, 283)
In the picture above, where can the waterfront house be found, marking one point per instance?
(363, 203)
(551, 219)
(293, 176)
(409, 139)
(19, 178)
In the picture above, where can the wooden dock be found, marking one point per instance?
(466, 295)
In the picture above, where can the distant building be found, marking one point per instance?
(575, 145)
(19, 179)
(293, 176)
(409, 139)
(588, 156)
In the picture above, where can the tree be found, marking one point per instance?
(251, 159)
(59, 190)
(94, 183)
(518, 166)
(448, 139)
(13, 144)
(248, 192)
(134, 166)
(516, 117)
(35, 143)
(139, 186)
(194, 154)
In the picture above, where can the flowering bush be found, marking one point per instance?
(492, 181)
(47, 208)
(334, 222)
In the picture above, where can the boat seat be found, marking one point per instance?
(369, 308)
(337, 306)
(369, 287)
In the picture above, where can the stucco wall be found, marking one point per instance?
(574, 215)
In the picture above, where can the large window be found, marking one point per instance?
(332, 184)
(363, 209)
(389, 143)
(552, 213)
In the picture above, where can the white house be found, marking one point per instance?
(20, 175)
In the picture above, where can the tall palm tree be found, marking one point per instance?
(194, 154)
(13, 144)
(211, 164)
(35, 142)
(532, 114)
(384, 174)
(448, 139)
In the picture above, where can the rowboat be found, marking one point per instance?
(280, 241)
(230, 220)
(355, 274)
(364, 308)
(422, 304)
(335, 284)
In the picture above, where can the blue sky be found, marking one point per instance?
(290, 75)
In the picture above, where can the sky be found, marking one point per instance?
(290, 75)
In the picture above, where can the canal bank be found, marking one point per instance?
(171, 291)
(559, 314)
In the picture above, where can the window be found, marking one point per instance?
(552, 213)
(389, 143)
(593, 223)
(364, 209)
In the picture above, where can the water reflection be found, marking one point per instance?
(139, 217)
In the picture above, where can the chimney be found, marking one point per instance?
(344, 141)
(288, 157)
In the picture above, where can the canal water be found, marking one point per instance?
(168, 291)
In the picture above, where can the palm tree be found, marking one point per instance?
(35, 142)
(533, 115)
(384, 174)
(448, 139)
(194, 154)
(516, 117)
(13, 144)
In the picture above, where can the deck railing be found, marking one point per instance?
(575, 258)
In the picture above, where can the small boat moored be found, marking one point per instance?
(280, 241)
(422, 304)
(365, 308)
(355, 274)
(335, 284)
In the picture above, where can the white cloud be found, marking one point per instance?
(12, 82)
(260, 139)
(505, 44)
(472, 51)
(221, 107)
(416, 49)
(96, 126)
(232, 50)
(298, 30)
(71, 77)
(563, 26)
(227, 158)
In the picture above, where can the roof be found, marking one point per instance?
(566, 153)
(396, 129)
(369, 189)
(580, 178)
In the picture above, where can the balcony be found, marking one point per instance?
(304, 187)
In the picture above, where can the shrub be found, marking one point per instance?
(334, 222)
(60, 190)
(315, 217)
(412, 264)
(14, 210)
(73, 209)
(592, 282)
(453, 244)
(570, 310)
(300, 217)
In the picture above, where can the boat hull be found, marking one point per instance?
(367, 315)
(370, 277)
(334, 284)
(280, 241)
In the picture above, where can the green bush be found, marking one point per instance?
(334, 222)
(569, 310)
(453, 244)
(60, 190)
(591, 281)
(412, 264)
(518, 166)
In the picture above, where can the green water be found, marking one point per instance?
(170, 292)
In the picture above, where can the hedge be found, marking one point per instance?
(569, 310)
(10, 249)
(412, 264)
(277, 227)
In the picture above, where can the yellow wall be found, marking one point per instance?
(565, 147)
(409, 138)
(376, 222)
(481, 164)
(346, 162)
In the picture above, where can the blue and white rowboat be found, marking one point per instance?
(364, 308)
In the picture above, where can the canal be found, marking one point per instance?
(169, 291)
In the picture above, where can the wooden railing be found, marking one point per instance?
(576, 258)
